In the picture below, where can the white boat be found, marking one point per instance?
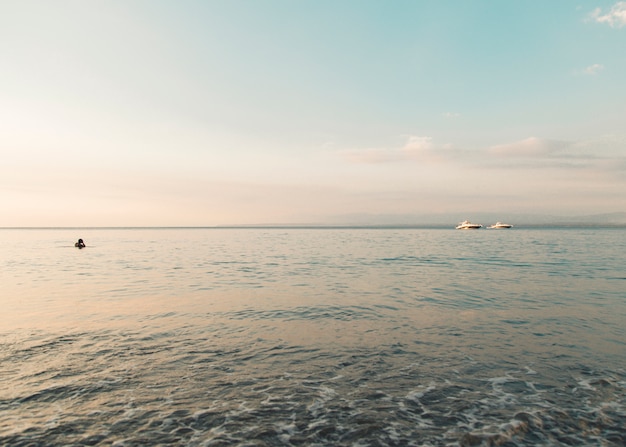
(500, 225)
(467, 225)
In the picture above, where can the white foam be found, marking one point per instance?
(530, 371)
(584, 384)
(531, 385)
(319, 422)
(416, 395)
(500, 380)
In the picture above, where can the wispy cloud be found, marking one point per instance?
(425, 150)
(416, 148)
(598, 155)
(590, 70)
(451, 115)
(371, 155)
(615, 18)
(593, 69)
(529, 153)
(529, 147)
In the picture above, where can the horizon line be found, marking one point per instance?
(311, 226)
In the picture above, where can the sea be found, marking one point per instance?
(313, 337)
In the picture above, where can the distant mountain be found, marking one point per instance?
(604, 219)
(451, 219)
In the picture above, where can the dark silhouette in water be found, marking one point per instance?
(80, 244)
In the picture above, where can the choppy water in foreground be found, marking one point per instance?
(214, 337)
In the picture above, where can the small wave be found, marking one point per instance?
(343, 313)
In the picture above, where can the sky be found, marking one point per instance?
(201, 113)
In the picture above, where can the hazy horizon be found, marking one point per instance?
(616, 220)
(206, 113)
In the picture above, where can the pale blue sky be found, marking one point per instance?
(242, 112)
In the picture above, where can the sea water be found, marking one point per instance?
(318, 336)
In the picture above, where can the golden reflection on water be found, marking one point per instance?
(281, 316)
(319, 287)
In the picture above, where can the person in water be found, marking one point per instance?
(80, 244)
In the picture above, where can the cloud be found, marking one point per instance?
(529, 147)
(451, 115)
(598, 155)
(616, 17)
(590, 70)
(593, 69)
(416, 148)
(371, 156)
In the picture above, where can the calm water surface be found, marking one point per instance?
(270, 337)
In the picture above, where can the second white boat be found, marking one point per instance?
(500, 225)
